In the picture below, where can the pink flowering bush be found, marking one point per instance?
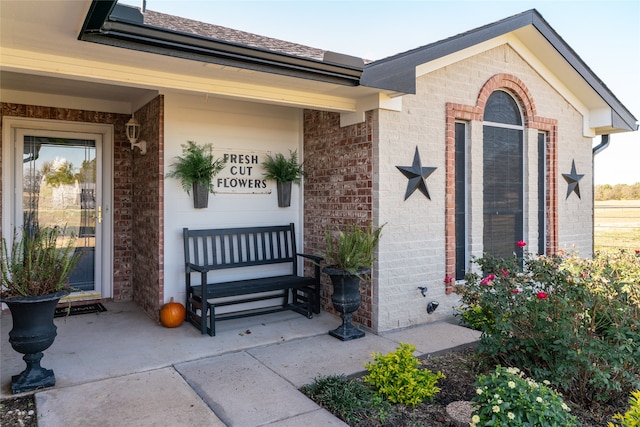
(570, 321)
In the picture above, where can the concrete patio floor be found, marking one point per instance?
(120, 368)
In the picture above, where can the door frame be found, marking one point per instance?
(10, 126)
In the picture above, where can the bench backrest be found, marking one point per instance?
(241, 247)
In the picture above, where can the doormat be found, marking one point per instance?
(79, 309)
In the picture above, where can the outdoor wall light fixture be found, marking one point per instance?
(431, 307)
(133, 133)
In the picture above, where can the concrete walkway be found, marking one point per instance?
(119, 368)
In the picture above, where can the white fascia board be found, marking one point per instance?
(89, 70)
(556, 84)
(62, 101)
(458, 56)
(376, 101)
(600, 118)
(380, 101)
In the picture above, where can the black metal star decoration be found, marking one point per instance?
(573, 179)
(417, 176)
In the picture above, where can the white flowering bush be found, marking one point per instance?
(507, 398)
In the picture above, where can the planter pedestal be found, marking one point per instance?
(346, 331)
(33, 332)
(34, 376)
(346, 300)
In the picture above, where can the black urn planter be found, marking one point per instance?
(284, 193)
(346, 300)
(33, 332)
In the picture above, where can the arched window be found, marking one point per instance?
(503, 182)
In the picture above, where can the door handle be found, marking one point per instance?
(99, 218)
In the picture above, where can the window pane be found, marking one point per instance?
(502, 108)
(461, 197)
(502, 190)
(542, 199)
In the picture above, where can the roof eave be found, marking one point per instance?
(398, 73)
(101, 27)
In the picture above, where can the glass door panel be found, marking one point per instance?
(60, 189)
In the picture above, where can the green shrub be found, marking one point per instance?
(631, 418)
(477, 317)
(574, 322)
(349, 399)
(397, 376)
(507, 398)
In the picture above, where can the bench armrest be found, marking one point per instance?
(198, 268)
(316, 265)
(315, 258)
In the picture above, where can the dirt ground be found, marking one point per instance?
(18, 412)
(460, 368)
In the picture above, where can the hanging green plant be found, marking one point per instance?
(282, 169)
(197, 165)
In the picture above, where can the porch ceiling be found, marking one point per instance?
(81, 89)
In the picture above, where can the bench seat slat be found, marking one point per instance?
(251, 286)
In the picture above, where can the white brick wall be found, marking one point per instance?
(412, 251)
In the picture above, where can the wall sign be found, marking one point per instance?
(243, 173)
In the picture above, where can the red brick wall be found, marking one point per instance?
(147, 232)
(338, 188)
(121, 180)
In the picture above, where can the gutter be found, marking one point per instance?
(119, 26)
(604, 143)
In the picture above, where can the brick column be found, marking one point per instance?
(338, 189)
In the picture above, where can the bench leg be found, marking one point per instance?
(311, 302)
(316, 299)
(203, 319)
(212, 319)
(297, 301)
(199, 321)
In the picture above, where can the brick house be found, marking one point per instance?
(462, 146)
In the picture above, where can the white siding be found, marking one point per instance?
(225, 124)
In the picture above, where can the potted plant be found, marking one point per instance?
(284, 171)
(195, 169)
(34, 276)
(349, 255)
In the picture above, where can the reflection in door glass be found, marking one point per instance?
(59, 189)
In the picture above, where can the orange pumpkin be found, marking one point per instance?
(172, 314)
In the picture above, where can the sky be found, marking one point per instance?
(605, 34)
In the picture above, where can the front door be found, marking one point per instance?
(59, 175)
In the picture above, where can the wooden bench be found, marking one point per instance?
(209, 251)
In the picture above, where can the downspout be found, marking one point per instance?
(604, 143)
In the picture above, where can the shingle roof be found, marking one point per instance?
(176, 23)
